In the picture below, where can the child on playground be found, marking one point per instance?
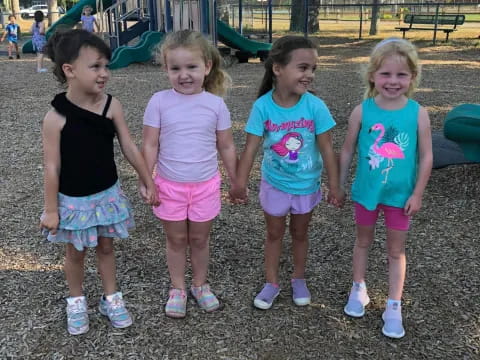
(295, 128)
(12, 33)
(184, 127)
(84, 204)
(89, 22)
(392, 135)
(38, 39)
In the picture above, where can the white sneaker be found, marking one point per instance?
(77, 315)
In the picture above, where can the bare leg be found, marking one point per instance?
(39, 61)
(299, 232)
(365, 235)
(177, 241)
(74, 270)
(273, 246)
(397, 262)
(10, 45)
(198, 239)
(106, 265)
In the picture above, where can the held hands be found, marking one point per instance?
(149, 193)
(238, 194)
(49, 221)
(413, 204)
(336, 197)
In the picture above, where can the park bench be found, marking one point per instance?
(445, 22)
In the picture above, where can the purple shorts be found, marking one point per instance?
(278, 203)
(395, 217)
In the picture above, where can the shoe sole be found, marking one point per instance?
(302, 301)
(74, 332)
(175, 316)
(263, 305)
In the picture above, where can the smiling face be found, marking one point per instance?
(89, 72)
(293, 144)
(393, 78)
(186, 69)
(296, 77)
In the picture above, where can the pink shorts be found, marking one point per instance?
(278, 203)
(195, 201)
(395, 217)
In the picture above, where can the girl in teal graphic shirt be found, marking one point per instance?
(392, 135)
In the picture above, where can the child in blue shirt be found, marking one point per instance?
(12, 33)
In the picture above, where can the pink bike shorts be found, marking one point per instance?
(395, 217)
(195, 201)
(278, 203)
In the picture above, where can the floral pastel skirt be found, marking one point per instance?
(83, 219)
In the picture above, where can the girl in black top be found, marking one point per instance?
(84, 204)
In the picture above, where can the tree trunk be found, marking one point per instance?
(52, 11)
(16, 8)
(374, 19)
(297, 22)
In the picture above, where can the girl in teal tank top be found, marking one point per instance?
(391, 134)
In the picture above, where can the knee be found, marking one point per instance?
(74, 255)
(105, 249)
(363, 242)
(396, 253)
(198, 242)
(177, 242)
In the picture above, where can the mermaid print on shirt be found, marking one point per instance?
(388, 145)
(289, 146)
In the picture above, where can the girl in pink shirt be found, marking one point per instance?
(184, 127)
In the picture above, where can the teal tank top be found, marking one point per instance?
(387, 155)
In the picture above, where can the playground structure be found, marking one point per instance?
(147, 21)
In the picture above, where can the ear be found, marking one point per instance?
(68, 70)
(208, 67)
(276, 69)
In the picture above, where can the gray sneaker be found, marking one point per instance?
(115, 310)
(357, 301)
(392, 318)
(77, 315)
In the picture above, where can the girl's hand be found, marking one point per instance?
(49, 221)
(149, 193)
(336, 197)
(414, 203)
(238, 194)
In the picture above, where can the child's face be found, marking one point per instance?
(89, 72)
(299, 73)
(393, 78)
(12, 20)
(186, 69)
(87, 11)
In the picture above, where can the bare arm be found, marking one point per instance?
(130, 150)
(150, 146)
(245, 165)
(52, 126)
(325, 145)
(228, 154)
(349, 144)
(425, 161)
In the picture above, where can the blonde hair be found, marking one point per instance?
(400, 48)
(217, 81)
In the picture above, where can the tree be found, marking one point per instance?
(16, 7)
(373, 23)
(52, 11)
(297, 22)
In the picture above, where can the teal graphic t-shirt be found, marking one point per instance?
(291, 160)
(387, 155)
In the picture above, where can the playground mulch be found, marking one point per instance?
(442, 290)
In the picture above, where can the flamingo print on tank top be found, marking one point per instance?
(384, 148)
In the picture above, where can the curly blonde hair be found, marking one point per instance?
(217, 81)
(400, 48)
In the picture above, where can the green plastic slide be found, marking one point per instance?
(462, 125)
(140, 52)
(235, 40)
(69, 20)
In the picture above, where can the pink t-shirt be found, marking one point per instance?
(188, 139)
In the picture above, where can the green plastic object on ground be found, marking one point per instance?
(69, 20)
(140, 52)
(235, 40)
(462, 125)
